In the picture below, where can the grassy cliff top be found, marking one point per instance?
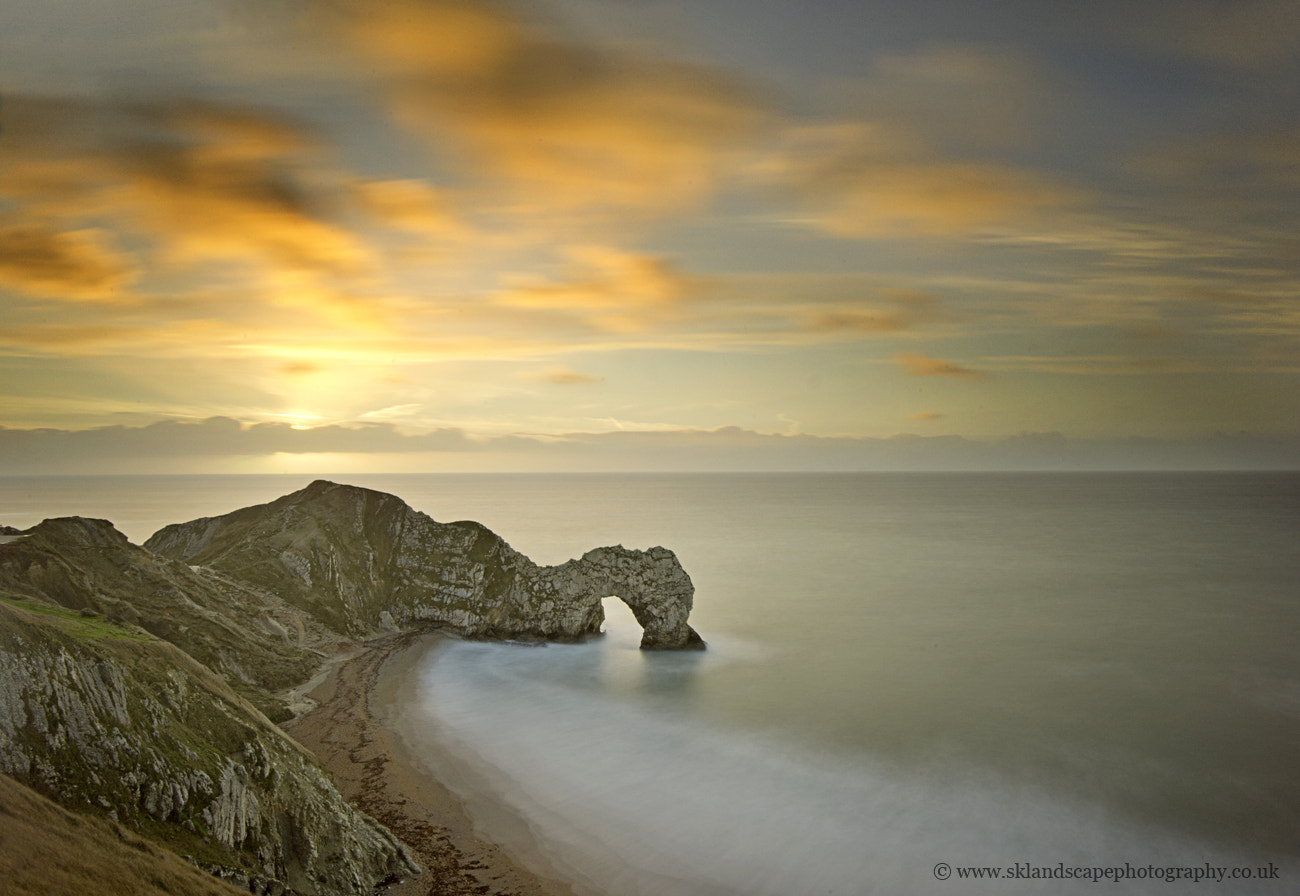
(79, 624)
(49, 851)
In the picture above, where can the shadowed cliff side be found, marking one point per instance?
(360, 561)
(113, 722)
(46, 850)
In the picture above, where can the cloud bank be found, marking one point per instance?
(377, 447)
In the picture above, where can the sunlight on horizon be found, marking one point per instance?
(477, 220)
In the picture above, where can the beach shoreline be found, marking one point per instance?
(352, 731)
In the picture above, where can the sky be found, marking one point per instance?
(446, 235)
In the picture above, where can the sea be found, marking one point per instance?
(915, 683)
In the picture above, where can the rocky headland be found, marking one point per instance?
(146, 685)
(360, 561)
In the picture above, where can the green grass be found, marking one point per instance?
(73, 622)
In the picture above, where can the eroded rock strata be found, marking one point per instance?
(142, 684)
(257, 641)
(115, 722)
(361, 560)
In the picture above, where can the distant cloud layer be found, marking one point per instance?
(194, 446)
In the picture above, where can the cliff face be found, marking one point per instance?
(49, 851)
(252, 637)
(134, 680)
(360, 560)
(112, 721)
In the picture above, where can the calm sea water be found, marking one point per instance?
(903, 670)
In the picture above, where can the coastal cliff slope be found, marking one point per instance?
(49, 851)
(360, 561)
(256, 640)
(114, 722)
(141, 685)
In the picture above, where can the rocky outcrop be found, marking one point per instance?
(89, 850)
(135, 681)
(250, 636)
(652, 583)
(360, 561)
(111, 721)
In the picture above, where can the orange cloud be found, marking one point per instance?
(71, 264)
(940, 199)
(411, 205)
(919, 365)
(300, 368)
(203, 181)
(943, 199)
(857, 321)
(577, 124)
(608, 288)
(909, 308)
(563, 376)
(229, 193)
(873, 181)
(98, 336)
(232, 194)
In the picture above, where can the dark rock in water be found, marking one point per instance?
(362, 561)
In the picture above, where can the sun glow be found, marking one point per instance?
(301, 419)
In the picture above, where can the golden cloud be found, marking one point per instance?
(857, 321)
(73, 264)
(230, 191)
(410, 205)
(919, 365)
(300, 368)
(202, 181)
(563, 376)
(68, 338)
(876, 181)
(906, 308)
(232, 194)
(608, 288)
(186, 338)
(928, 200)
(577, 124)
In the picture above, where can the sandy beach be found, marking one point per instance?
(352, 731)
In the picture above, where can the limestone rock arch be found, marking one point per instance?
(652, 583)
